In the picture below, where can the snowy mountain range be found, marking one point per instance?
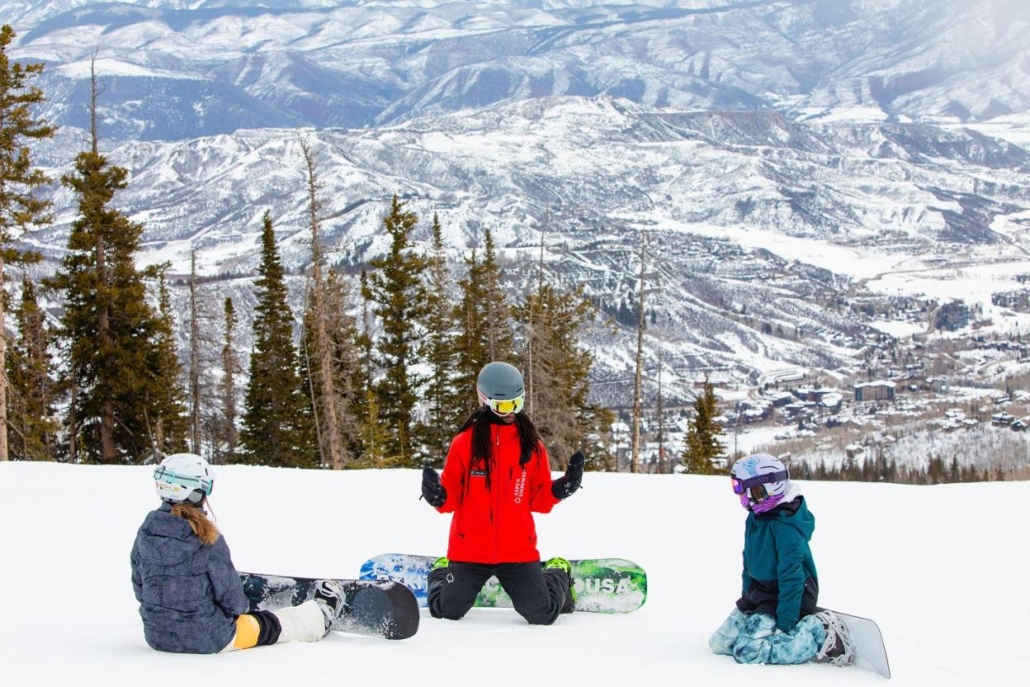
(179, 69)
(783, 160)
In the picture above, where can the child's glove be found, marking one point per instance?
(566, 485)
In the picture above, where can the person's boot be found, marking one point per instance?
(438, 571)
(566, 567)
(838, 649)
(331, 599)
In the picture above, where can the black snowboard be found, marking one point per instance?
(376, 608)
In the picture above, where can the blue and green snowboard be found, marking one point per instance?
(603, 585)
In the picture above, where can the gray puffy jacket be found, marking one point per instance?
(189, 593)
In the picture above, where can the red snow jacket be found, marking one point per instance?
(495, 525)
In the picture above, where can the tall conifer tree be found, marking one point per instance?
(165, 388)
(371, 447)
(561, 409)
(441, 399)
(703, 445)
(483, 319)
(470, 341)
(500, 340)
(225, 434)
(116, 358)
(396, 287)
(32, 424)
(277, 425)
(20, 207)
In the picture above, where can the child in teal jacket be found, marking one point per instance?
(776, 619)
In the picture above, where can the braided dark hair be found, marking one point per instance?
(482, 446)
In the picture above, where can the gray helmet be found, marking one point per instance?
(501, 383)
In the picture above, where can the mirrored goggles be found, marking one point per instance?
(755, 483)
(506, 406)
(163, 474)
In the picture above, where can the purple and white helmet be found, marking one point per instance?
(760, 480)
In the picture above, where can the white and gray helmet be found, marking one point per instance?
(184, 478)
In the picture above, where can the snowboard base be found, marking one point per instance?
(375, 608)
(603, 585)
(870, 651)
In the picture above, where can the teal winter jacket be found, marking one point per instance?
(779, 575)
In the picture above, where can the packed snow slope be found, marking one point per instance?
(940, 568)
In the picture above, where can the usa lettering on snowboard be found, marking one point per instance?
(603, 585)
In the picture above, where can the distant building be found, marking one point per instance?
(831, 400)
(874, 391)
(1002, 419)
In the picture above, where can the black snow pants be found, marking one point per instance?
(537, 595)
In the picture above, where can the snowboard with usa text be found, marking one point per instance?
(603, 585)
(376, 608)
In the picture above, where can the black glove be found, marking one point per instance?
(566, 485)
(432, 491)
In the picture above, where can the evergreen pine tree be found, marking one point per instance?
(32, 423)
(224, 433)
(441, 398)
(278, 429)
(470, 342)
(484, 322)
(500, 340)
(117, 360)
(396, 288)
(703, 445)
(20, 208)
(373, 437)
(164, 382)
(558, 399)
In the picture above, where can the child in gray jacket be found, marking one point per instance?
(191, 597)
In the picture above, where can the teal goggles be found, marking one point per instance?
(163, 474)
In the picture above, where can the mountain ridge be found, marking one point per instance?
(371, 64)
(799, 168)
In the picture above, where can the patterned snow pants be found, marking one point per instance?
(754, 639)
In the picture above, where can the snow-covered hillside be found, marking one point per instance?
(181, 69)
(940, 569)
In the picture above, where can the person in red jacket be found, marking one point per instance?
(496, 476)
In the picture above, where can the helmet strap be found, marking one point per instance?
(211, 511)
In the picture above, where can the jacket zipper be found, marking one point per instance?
(497, 498)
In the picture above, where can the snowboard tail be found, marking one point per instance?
(603, 585)
(870, 651)
(375, 608)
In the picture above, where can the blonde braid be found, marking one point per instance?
(205, 530)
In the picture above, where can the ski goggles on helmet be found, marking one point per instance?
(755, 486)
(505, 406)
(204, 484)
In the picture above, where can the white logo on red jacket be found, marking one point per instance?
(520, 486)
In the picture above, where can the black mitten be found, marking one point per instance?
(432, 491)
(566, 485)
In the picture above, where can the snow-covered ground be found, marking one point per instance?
(942, 569)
